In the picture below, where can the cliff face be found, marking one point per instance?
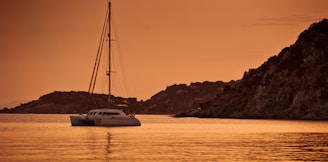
(291, 85)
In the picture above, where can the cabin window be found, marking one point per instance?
(110, 113)
(100, 113)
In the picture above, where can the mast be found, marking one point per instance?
(109, 56)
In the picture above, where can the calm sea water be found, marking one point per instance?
(36, 137)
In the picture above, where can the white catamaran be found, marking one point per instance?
(109, 116)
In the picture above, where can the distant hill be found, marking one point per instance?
(290, 85)
(69, 103)
(174, 99)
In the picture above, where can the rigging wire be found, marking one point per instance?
(99, 55)
(97, 61)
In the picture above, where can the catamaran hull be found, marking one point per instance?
(81, 121)
(112, 121)
(117, 121)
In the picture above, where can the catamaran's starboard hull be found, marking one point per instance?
(112, 121)
(117, 121)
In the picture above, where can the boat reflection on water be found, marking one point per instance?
(108, 143)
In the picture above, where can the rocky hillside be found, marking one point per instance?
(172, 100)
(291, 85)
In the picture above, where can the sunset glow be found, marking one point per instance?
(51, 45)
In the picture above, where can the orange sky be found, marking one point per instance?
(49, 45)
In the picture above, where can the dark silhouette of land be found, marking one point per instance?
(290, 85)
